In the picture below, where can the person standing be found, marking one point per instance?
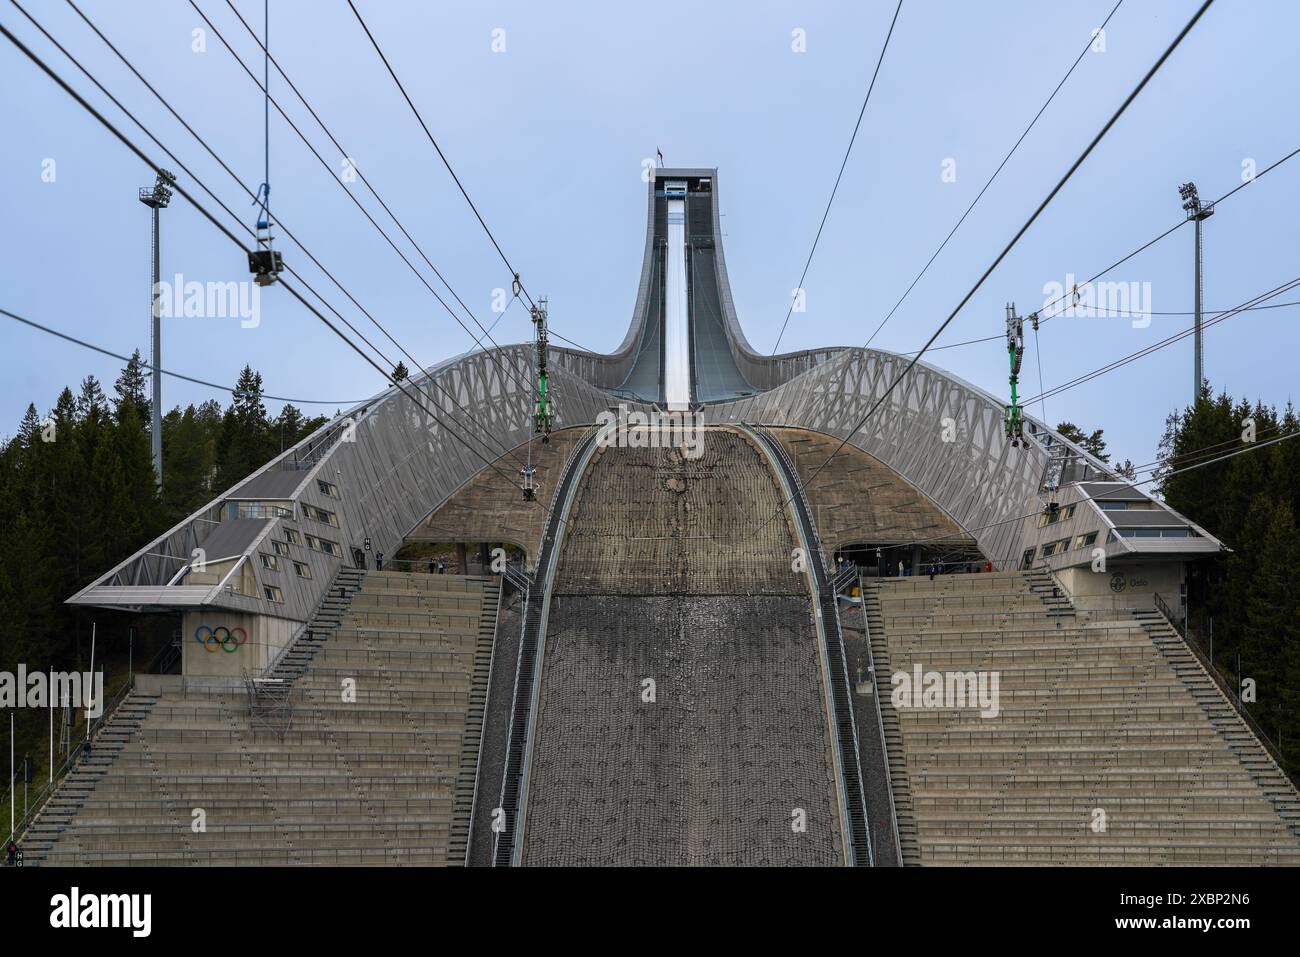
(379, 561)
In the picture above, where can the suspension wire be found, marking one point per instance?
(362, 176)
(442, 156)
(175, 375)
(121, 137)
(980, 195)
(803, 486)
(218, 201)
(1038, 361)
(840, 175)
(1125, 258)
(325, 164)
(1170, 340)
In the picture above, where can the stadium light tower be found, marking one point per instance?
(1197, 214)
(157, 197)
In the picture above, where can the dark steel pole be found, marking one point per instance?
(156, 423)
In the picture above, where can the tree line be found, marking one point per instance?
(78, 495)
(1249, 596)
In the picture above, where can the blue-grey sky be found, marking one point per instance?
(549, 135)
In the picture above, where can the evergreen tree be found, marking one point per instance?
(131, 388)
(1092, 442)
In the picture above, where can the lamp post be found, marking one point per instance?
(157, 197)
(1197, 214)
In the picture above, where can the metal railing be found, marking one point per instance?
(47, 791)
(1223, 684)
(880, 726)
(483, 723)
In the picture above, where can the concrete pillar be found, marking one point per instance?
(460, 557)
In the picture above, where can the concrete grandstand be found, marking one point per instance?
(691, 661)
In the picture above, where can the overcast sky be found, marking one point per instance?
(549, 134)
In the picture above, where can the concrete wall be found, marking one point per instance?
(1127, 585)
(266, 637)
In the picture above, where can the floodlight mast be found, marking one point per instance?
(157, 197)
(1197, 214)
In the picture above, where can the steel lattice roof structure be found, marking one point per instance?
(379, 469)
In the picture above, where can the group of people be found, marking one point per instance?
(932, 568)
(437, 566)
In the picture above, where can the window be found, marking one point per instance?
(303, 569)
(1083, 541)
(327, 488)
(1056, 547)
(1052, 516)
(293, 537)
(1112, 506)
(324, 545)
(320, 515)
(272, 593)
(269, 562)
(280, 547)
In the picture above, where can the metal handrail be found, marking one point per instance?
(46, 792)
(880, 726)
(1221, 681)
(482, 733)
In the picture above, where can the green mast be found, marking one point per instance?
(543, 411)
(1012, 418)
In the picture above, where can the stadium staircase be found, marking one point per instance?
(386, 778)
(1101, 713)
(1227, 720)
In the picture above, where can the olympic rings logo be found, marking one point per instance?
(227, 639)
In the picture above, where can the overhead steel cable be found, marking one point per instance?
(175, 375)
(121, 137)
(1123, 259)
(839, 176)
(161, 99)
(1163, 343)
(1042, 109)
(442, 156)
(500, 447)
(1182, 222)
(1119, 314)
(330, 171)
(803, 486)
